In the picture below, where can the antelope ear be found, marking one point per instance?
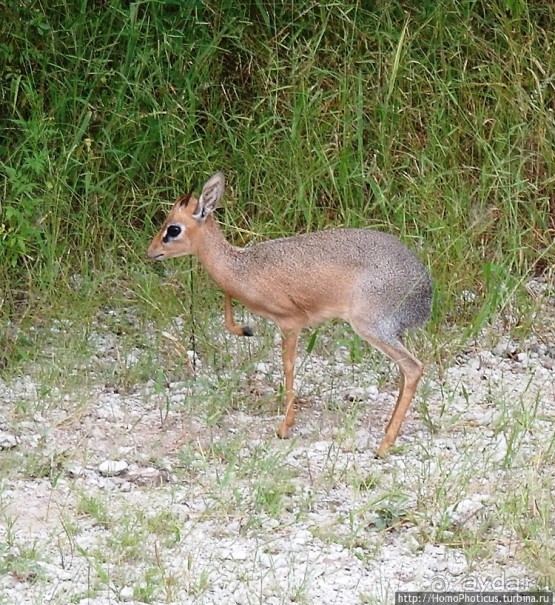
(210, 197)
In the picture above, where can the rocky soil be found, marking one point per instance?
(121, 485)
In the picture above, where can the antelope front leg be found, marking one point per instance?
(230, 324)
(289, 353)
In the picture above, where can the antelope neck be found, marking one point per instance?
(216, 254)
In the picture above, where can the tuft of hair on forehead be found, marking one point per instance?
(184, 200)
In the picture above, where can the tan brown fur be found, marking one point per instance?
(368, 278)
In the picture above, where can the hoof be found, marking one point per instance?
(383, 450)
(283, 431)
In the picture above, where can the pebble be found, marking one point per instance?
(126, 593)
(468, 507)
(75, 470)
(475, 363)
(362, 393)
(467, 296)
(194, 359)
(7, 441)
(456, 565)
(263, 368)
(240, 553)
(523, 357)
(110, 468)
(132, 359)
(409, 542)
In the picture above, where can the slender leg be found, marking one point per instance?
(230, 322)
(289, 353)
(411, 372)
(401, 390)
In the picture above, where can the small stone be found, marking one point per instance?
(410, 543)
(467, 296)
(193, 358)
(362, 440)
(75, 470)
(149, 477)
(439, 565)
(7, 441)
(126, 593)
(233, 528)
(272, 523)
(457, 567)
(362, 393)
(110, 468)
(500, 349)
(434, 550)
(302, 536)
(131, 359)
(262, 368)
(466, 508)
(373, 391)
(240, 553)
(475, 363)
(356, 394)
(240, 597)
(344, 581)
(522, 357)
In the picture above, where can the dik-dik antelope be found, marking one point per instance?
(369, 278)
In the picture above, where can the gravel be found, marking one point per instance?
(177, 491)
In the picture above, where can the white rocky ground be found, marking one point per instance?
(120, 487)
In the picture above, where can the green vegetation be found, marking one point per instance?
(433, 120)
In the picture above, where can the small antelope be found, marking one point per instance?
(368, 278)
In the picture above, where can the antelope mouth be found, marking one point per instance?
(159, 256)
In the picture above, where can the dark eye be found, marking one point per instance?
(173, 231)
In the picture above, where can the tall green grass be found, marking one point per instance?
(433, 120)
